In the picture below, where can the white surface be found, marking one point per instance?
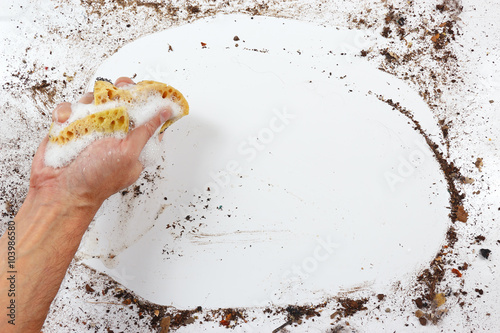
(71, 37)
(317, 173)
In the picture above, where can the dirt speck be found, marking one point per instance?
(462, 215)
(479, 164)
(485, 253)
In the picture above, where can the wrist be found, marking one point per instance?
(48, 229)
(53, 198)
(47, 213)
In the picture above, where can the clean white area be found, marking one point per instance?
(316, 186)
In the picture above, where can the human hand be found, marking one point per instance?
(102, 169)
(58, 209)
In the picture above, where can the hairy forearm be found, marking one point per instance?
(48, 232)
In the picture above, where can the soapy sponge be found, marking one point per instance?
(121, 100)
(109, 121)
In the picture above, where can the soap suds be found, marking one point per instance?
(57, 155)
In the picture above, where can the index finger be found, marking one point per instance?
(138, 138)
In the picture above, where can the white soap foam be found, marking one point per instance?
(152, 151)
(58, 156)
(79, 111)
(142, 112)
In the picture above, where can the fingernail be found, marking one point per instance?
(160, 137)
(164, 115)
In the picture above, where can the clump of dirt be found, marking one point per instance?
(351, 306)
(231, 317)
(296, 314)
(485, 253)
(386, 32)
(157, 313)
(430, 310)
(258, 9)
(461, 214)
(193, 9)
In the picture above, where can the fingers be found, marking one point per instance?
(138, 138)
(123, 81)
(61, 113)
(87, 98)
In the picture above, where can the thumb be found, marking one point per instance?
(140, 135)
(38, 159)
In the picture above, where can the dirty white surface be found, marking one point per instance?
(290, 153)
(68, 42)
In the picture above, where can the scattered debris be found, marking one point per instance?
(479, 164)
(485, 253)
(439, 299)
(193, 9)
(462, 215)
(351, 306)
(165, 325)
(479, 239)
(456, 272)
(386, 32)
(467, 180)
(435, 38)
(420, 303)
(433, 278)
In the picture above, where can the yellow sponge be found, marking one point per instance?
(166, 91)
(117, 119)
(108, 121)
(106, 92)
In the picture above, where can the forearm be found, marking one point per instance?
(48, 232)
